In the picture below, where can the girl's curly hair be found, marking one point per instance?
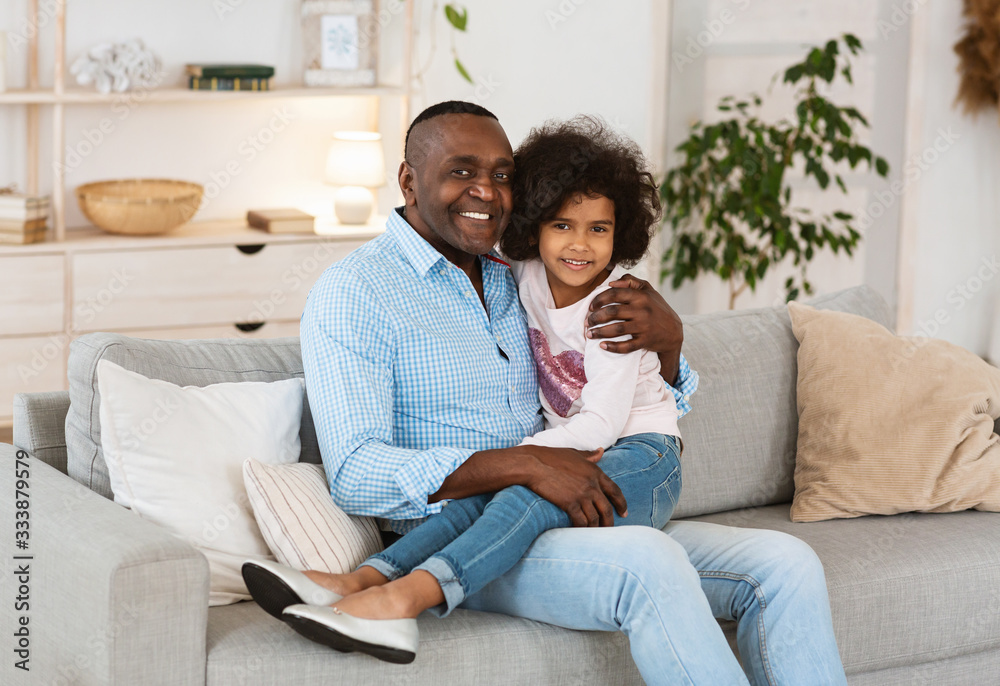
(560, 160)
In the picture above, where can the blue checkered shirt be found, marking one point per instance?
(407, 376)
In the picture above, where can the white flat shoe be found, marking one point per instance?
(391, 640)
(275, 586)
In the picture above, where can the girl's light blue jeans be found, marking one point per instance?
(474, 540)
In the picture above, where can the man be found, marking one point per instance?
(420, 379)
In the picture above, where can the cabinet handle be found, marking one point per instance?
(251, 249)
(247, 328)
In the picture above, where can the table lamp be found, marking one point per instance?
(356, 164)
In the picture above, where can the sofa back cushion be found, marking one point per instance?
(185, 363)
(740, 436)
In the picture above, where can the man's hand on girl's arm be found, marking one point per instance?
(643, 314)
(567, 478)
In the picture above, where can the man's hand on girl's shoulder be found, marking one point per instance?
(632, 306)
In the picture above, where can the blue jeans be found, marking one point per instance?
(664, 589)
(474, 540)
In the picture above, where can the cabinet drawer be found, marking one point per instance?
(31, 294)
(266, 330)
(31, 365)
(184, 287)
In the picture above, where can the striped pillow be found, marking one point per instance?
(301, 524)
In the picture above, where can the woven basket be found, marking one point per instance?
(139, 206)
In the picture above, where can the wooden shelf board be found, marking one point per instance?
(80, 96)
(217, 232)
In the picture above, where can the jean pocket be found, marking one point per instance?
(665, 498)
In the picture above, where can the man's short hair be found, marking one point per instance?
(446, 107)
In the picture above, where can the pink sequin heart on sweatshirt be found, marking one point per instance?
(561, 377)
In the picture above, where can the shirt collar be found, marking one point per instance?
(421, 255)
(417, 251)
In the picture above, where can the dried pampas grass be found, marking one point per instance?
(979, 56)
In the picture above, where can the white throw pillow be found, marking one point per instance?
(301, 523)
(175, 457)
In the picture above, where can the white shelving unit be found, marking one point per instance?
(206, 279)
(60, 96)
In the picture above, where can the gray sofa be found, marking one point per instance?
(116, 600)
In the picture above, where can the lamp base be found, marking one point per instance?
(353, 205)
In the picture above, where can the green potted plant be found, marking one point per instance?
(729, 203)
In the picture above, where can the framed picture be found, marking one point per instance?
(340, 42)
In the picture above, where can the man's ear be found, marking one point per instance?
(407, 181)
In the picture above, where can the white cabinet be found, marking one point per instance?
(31, 364)
(205, 280)
(31, 294)
(193, 286)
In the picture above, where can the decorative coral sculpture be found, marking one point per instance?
(118, 67)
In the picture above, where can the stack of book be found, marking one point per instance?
(283, 220)
(23, 218)
(229, 77)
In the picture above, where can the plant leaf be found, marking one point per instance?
(881, 166)
(462, 71)
(456, 18)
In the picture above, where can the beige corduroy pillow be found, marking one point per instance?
(890, 424)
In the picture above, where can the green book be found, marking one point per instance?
(196, 83)
(229, 71)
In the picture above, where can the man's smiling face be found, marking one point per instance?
(457, 184)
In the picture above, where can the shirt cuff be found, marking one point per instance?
(687, 384)
(424, 474)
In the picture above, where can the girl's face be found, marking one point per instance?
(576, 247)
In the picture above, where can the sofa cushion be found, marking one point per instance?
(904, 589)
(890, 424)
(175, 455)
(184, 363)
(739, 438)
(248, 647)
(302, 525)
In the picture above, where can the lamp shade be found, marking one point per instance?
(356, 159)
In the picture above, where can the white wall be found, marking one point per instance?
(540, 59)
(956, 215)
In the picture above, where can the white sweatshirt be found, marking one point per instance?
(590, 397)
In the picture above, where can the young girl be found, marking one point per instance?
(584, 207)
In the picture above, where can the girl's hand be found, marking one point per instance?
(641, 312)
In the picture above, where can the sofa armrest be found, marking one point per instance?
(108, 597)
(40, 426)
